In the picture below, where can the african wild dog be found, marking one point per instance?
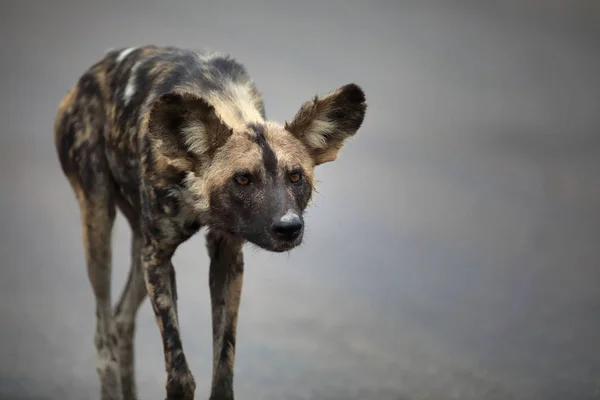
(178, 140)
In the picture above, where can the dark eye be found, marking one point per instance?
(242, 180)
(295, 177)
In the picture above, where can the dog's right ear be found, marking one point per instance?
(184, 124)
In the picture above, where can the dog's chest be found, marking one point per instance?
(177, 219)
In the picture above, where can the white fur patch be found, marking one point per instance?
(315, 134)
(195, 138)
(196, 195)
(130, 88)
(125, 53)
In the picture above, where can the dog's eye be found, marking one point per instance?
(242, 180)
(295, 177)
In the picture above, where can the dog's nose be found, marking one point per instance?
(288, 227)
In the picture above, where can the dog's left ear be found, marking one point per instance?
(324, 123)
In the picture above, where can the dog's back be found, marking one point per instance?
(98, 123)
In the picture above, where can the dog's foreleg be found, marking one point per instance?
(160, 276)
(225, 279)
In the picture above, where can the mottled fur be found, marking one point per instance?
(178, 140)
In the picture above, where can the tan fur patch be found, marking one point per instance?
(240, 152)
(289, 150)
(238, 107)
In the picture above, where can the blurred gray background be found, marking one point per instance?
(453, 249)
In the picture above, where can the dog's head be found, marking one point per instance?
(255, 180)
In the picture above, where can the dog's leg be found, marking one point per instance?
(160, 283)
(131, 299)
(79, 130)
(97, 217)
(225, 279)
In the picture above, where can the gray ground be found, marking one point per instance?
(452, 252)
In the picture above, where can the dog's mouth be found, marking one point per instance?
(286, 246)
(276, 245)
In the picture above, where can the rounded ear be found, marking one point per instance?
(324, 123)
(183, 123)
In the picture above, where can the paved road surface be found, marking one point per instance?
(453, 250)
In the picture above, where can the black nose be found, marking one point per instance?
(288, 227)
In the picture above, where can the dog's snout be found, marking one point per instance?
(288, 227)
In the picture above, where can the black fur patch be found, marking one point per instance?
(227, 66)
(269, 158)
